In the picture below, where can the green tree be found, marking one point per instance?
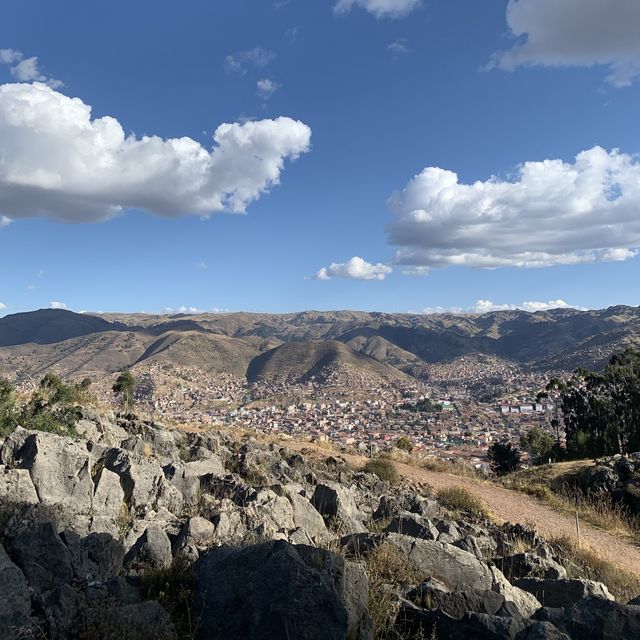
(124, 387)
(540, 445)
(503, 458)
(601, 411)
(8, 410)
(404, 443)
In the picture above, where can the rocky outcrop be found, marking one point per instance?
(276, 590)
(259, 542)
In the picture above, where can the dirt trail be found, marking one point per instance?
(512, 506)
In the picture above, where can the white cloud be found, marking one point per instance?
(26, 69)
(54, 304)
(10, 56)
(3, 306)
(240, 61)
(552, 213)
(584, 33)
(56, 161)
(356, 268)
(380, 8)
(488, 306)
(266, 88)
(399, 48)
(4, 221)
(183, 309)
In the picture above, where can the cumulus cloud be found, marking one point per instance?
(26, 69)
(56, 161)
(55, 304)
(2, 305)
(583, 33)
(266, 88)
(4, 221)
(356, 268)
(488, 306)
(551, 213)
(241, 61)
(379, 8)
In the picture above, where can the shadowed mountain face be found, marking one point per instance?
(316, 342)
(321, 360)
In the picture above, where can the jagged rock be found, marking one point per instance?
(108, 496)
(333, 500)
(196, 534)
(470, 544)
(143, 482)
(275, 590)
(12, 443)
(592, 618)
(526, 603)
(42, 556)
(456, 604)
(390, 506)
(151, 550)
(229, 523)
(189, 477)
(16, 486)
(525, 565)
(15, 602)
(96, 557)
(307, 518)
(424, 507)
(562, 593)
(59, 467)
(269, 514)
(143, 621)
(410, 524)
(448, 531)
(424, 623)
(46, 564)
(457, 569)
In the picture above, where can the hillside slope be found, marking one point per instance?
(323, 361)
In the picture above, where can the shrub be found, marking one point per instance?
(584, 562)
(404, 443)
(384, 469)
(387, 567)
(462, 499)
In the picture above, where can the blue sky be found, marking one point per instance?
(333, 107)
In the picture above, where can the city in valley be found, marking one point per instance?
(456, 424)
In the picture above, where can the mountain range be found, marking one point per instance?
(312, 344)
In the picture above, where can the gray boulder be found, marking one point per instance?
(336, 501)
(94, 558)
(15, 602)
(457, 569)
(526, 603)
(141, 621)
(60, 469)
(411, 524)
(562, 593)
(276, 590)
(152, 550)
(16, 486)
(592, 618)
(529, 564)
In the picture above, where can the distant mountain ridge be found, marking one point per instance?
(243, 343)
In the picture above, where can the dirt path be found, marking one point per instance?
(512, 506)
